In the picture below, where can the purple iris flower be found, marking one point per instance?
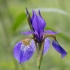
(24, 49)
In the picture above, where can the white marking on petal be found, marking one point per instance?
(24, 47)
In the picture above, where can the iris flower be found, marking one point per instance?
(24, 49)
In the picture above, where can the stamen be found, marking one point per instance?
(54, 37)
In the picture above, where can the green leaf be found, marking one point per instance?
(20, 18)
(55, 10)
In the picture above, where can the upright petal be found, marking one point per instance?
(50, 32)
(27, 12)
(58, 48)
(27, 33)
(38, 23)
(39, 13)
(23, 53)
(33, 14)
(46, 45)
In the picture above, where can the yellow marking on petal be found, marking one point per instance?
(26, 42)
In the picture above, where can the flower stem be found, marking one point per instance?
(40, 55)
(39, 68)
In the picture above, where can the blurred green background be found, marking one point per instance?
(13, 19)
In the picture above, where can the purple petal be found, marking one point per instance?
(58, 48)
(27, 13)
(50, 32)
(39, 13)
(27, 33)
(32, 43)
(46, 45)
(38, 23)
(33, 14)
(23, 53)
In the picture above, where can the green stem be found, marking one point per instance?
(40, 55)
(36, 51)
(39, 68)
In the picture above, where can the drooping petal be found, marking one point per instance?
(23, 53)
(32, 43)
(27, 33)
(50, 32)
(46, 45)
(38, 23)
(58, 48)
